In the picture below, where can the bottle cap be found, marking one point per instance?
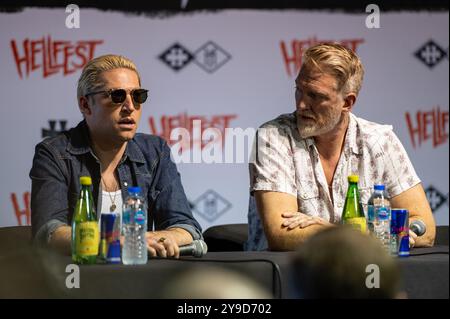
(353, 178)
(379, 187)
(134, 189)
(86, 180)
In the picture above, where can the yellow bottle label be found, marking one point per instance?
(358, 223)
(87, 239)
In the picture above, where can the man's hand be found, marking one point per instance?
(165, 243)
(162, 244)
(61, 240)
(415, 200)
(297, 219)
(412, 238)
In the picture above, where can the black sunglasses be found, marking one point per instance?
(118, 96)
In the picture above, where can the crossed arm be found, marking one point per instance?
(285, 229)
(275, 209)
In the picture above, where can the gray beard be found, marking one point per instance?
(314, 130)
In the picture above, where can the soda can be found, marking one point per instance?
(110, 238)
(400, 229)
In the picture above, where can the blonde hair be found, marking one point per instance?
(89, 78)
(339, 61)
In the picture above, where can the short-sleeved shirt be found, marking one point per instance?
(287, 163)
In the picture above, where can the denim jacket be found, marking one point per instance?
(60, 161)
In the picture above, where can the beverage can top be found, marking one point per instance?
(399, 210)
(134, 189)
(353, 178)
(86, 180)
(379, 187)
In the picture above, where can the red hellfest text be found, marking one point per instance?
(52, 56)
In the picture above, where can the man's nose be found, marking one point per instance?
(128, 104)
(301, 104)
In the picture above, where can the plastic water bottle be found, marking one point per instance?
(134, 225)
(379, 216)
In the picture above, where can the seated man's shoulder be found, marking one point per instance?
(284, 123)
(150, 143)
(372, 132)
(283, 120)
(57, 142)
(72, 140)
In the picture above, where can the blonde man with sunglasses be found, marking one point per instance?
(106, 147)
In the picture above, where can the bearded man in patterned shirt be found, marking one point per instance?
(302, 160)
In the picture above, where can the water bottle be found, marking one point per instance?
(134, 224)
(379, 216)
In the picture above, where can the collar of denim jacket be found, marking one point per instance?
(79, 143)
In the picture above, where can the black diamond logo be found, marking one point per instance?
(435, 198)
(211, 57)
(176, 57)
(430, 54)
(211, 205)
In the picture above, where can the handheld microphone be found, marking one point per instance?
(197, 248)
(418, 227)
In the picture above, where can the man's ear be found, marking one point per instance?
(349, 101)
(85, 107)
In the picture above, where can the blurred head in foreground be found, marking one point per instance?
(207, 282)
(343, 263)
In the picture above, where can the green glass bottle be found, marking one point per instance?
(353, 213)
(85, 233)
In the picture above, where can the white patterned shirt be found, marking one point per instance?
(287, 163)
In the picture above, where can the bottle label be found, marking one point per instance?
(140, 217)
(358, 223)
(383, 213)
(87, 239)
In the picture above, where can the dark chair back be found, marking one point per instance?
(229, 237)
(14, 238)
(441, 235)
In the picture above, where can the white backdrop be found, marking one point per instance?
(243, 79)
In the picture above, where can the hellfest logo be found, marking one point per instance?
(292, 52)
(204, 139)
(51, 56)
(430, 125)
(195, 126)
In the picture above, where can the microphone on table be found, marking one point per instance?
(197, 248)
(418, 227)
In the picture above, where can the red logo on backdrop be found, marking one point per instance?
(22, 213)
(429, 125)
(52, 56)
(293, 59)
(169, 123)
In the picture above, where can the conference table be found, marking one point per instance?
(425, 274)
